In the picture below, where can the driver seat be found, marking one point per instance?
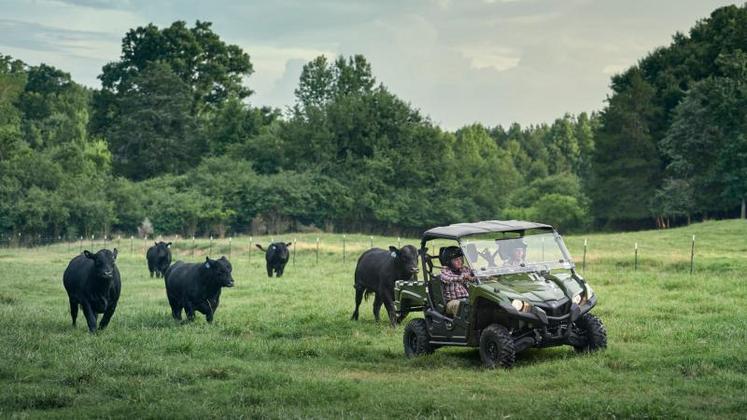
(437, 294)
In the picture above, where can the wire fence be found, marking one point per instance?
(313, 248)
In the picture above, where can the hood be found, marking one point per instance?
(529, 287)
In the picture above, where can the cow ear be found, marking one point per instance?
(155, 243)
(289, 244)
(168, 245)
(224, 258)
(88, 254)
(260, 247)
(114, 253)
(393, 251)
(207, 262)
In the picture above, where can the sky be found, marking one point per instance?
(458, 62)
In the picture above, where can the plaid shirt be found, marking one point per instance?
(454, 283)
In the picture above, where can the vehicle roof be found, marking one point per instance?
(459, 230)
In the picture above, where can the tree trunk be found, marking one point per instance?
(688, 219)
(743, 214)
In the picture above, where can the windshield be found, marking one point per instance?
(511, 252)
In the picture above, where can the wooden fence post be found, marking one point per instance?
(692, 256)
(583, 264)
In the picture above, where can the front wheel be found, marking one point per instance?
(416, 338)
(497, 347)
(592, 330)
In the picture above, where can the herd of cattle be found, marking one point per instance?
(93, 282)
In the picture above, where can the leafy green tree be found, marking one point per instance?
(317, 83)
(54, 109)
(706, 142)
(562, 211)
(486, 174)
(234, 123)
(213, 70)
(669, 75)
(627, 167)
(673, 199)
(155, 132)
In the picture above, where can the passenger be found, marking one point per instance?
(516, 256)
(454, 277)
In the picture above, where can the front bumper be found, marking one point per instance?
(538, 316)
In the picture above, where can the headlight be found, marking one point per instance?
(577, 299)
(521, 306)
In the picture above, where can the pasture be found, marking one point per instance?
(287, 348)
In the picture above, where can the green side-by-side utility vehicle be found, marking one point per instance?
(525, 293)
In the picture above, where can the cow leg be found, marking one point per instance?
(176, 312)
(107, 316)
(176, 308)
(358, 300)
(90, 316)
(73, 310)
(377, 307)
(389, 304)
(279, 270)
(190, 312)
(269, 270)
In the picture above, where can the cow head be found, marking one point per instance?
(162, 248)
(406, 258)
(277, 249)
(220, 271)
(103, 262)
(281, 249)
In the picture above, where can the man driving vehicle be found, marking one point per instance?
(454, 277)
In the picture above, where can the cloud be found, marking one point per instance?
(31, 36)
(101, 4)
(612, 69)
(491, 57)
(458, 61)
(276, 71)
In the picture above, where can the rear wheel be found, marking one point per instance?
(416, 338)
(593, 331)
(497, 347)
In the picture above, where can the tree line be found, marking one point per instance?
(172, 137)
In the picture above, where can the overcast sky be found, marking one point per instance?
(489, 61)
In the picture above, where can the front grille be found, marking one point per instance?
(556, 307)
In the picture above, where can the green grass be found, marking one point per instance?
(286, 347)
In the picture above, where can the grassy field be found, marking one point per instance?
(286, 347)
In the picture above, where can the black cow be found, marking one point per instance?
(277, 256)
(196, 287)
(376, 272)
(159, 258)
(92, 282)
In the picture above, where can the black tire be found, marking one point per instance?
(497, 347)
(592, 329)
(416, 338)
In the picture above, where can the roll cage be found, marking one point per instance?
(457, 231)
